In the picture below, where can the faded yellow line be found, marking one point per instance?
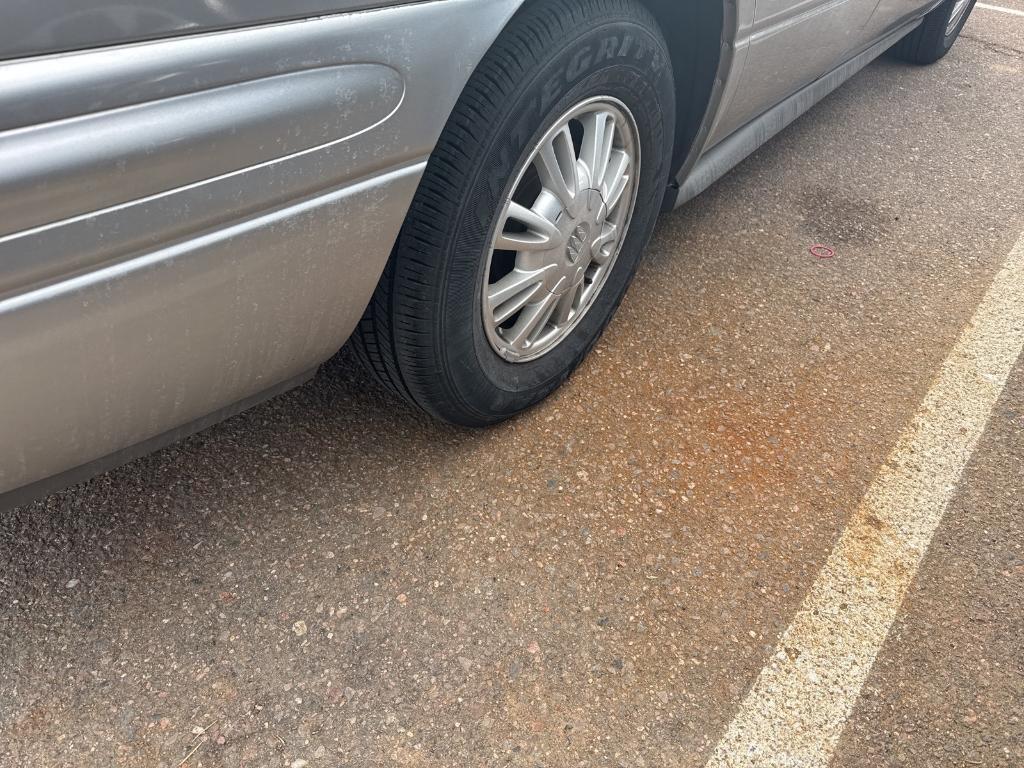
(797, 708)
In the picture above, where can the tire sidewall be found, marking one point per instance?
(622, 60)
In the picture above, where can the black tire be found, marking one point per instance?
(930, 41)
(423, 335)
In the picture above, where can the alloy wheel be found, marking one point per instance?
(561, 229)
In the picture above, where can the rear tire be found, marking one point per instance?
(936, 34)
(425, 333)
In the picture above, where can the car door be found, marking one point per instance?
(890, 13)
(792, 43)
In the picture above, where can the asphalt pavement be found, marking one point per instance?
(332, 579)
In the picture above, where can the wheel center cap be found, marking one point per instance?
(578, 242)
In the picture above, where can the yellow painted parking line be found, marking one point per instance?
(797, 708)
(1001, 9)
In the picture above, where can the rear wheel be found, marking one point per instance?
(937, 33)
(532, 215)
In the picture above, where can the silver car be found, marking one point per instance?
(200, 202)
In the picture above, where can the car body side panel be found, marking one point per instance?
(728, 138)
(889, 12)
(135, 302)
(118, 355)
(150, 148)
(34, 27)
(723, 156)
(791, 43)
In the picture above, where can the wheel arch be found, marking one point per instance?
(701, 36)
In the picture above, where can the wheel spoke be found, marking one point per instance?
(531, 321)
(616, 179)
(564, 307)
(609, 232)
(513, 292)
(540, 234)
(556, 166)
(598, 143)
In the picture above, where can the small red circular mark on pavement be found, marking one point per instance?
(820, 251)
